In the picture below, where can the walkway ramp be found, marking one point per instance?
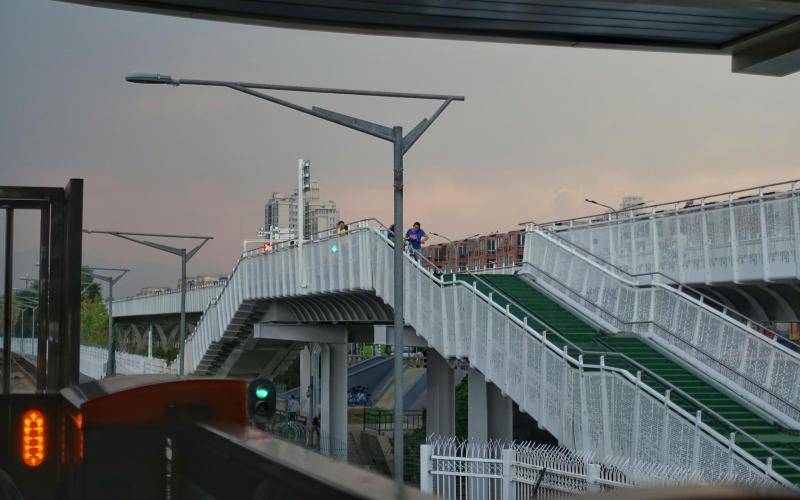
(755, 434)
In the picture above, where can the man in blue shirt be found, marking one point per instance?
(416, 237)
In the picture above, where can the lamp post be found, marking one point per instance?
(593, 202)
(401, 144)
(181, 252)
(111, 364)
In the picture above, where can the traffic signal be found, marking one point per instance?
(306, 181)
(262, 399)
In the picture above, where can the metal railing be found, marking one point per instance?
(711, 364)
(455, 469)
(459, 320)
(673, 207)
(657, 278)
(382, 421)
(634, 367)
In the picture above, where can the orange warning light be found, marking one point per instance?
(33, 438)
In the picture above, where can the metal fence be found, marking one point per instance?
(93, 360)
(382, 421)
(496, 470)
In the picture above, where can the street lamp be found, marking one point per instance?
(401, 146)
(181, 252)
(613, 210)
(111, 364)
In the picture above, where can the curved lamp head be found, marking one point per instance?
(151, 78)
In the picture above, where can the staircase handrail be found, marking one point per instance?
(689, 205)
(681, 289)
(276, 247)
(641, 368)
(563, 353)
(672, 335)
(609, 314)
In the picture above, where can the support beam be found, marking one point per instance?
(440, 398)
(500, 412)
(305, 381)
(384, 334)
(326, 334)
(333, 412)
(477, 418)
(772, 52)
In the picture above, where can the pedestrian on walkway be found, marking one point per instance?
(293, 406)
(341, 228)
(416, 237)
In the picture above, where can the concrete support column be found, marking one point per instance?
(333, 412)
(500, 411)
(305, 382)
(477, 418)
(440, 400)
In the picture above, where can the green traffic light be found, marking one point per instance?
(262, 392)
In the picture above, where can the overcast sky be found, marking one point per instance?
(541, 129)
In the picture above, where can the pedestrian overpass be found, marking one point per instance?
(601, 359)
(742, 247)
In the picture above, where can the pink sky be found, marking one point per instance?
(542, 128)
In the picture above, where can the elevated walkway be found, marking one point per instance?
(741, 247)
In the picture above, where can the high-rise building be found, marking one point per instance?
(631, 201)
(280, 213)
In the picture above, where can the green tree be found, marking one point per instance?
(94, 322)
(90, 288)
(15, 310)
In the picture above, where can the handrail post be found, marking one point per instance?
(425, 477)
(507, 490)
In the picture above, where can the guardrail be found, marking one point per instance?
(382, 421)
(744, 195)
(717, 344)
(455, 469)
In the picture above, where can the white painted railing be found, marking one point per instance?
(758, 368)
(585, 406)
(746, 235)
(93, 363)
(93, 360)
(197, 299)
(480, 470)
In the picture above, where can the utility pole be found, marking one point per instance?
(111, 363)
(400, 144)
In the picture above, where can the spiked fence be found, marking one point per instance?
(499, 470)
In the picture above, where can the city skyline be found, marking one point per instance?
(564, 124)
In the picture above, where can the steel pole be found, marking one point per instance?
(7, 302)
(183, 310)
(111, 364)
(398, 304)
(33, 328)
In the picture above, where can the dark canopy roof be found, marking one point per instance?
(762, 35)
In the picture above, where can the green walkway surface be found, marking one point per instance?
(565, 327)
